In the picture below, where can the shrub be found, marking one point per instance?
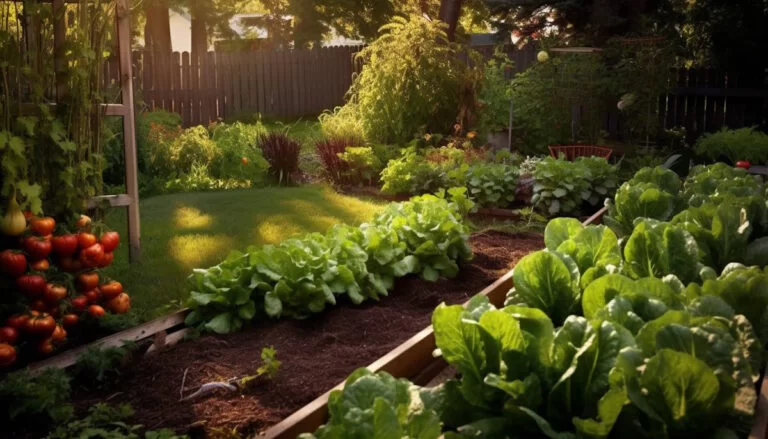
(410, 83)
(492, 185)
(560, 186)
(603, 178)
(494, 96)
(734, 145)
(423, 172)
(198, 179)
(328, 150)
(282, 153)
(237, 141)
(342, 122)
(362, 164)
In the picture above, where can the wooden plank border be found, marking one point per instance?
(410, 359)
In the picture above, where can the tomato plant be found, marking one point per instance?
(36, 247)
(7, 355)
(111, 289)
(13, 263)
(70, 319)
(110, 241)
(32, 285)
(120, 304)
(41, 325)
(91, 256)
(88, 281)
(96, 311)
(64, 245)
(42, 226)
(9, 334)
(54, 293)
(86, 239)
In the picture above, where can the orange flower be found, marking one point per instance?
(471, 135)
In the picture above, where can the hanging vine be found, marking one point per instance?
(50, 156)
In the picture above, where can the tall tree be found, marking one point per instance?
(450, 11)
(157, 39)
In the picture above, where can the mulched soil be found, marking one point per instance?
(316, 353)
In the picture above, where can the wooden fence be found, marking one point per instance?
(292, 83)
(707, 100)
(285, 83)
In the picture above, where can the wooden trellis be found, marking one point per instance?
(124, 109)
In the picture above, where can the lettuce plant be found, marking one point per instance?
(658, 249)
(492, 185)
(560, 186)
(603, 178)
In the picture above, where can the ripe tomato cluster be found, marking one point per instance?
(55, 275)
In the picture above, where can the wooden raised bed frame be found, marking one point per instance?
(413, 360)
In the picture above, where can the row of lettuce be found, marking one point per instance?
(425, 236)
(560, 187)
(609, 332)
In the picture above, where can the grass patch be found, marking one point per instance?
(181, 232)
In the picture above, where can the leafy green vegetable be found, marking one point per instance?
(657, 249)
(548, 281)
(560, 186)
(492, 185)
(380, 406)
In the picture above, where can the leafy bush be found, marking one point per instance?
(42, 398)
(603, 178)
(362, 164)
(198, 179)
(342, 123)
(560, 186)
(657, 249)
(177, 156)
(492, 185)
(299, 277)
(412, 173)
(239, 156)
(494, 96)
(282, 153)
(394, 97)
(105, 421)
(734, 145)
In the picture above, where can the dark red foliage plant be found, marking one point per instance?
(336, 169)
(282, 153)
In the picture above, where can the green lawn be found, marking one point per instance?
(185, 231)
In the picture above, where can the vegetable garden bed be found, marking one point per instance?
(316, 353)
(412, 359)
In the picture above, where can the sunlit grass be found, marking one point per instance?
(185, 231)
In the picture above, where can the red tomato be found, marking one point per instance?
(59, 334)
(79, 303)
(88, 281)
(110, 241)
(111, 289)
(39, 305)
(70, 265)
(55, 293)
(70, 319)
(91, 256)
(107, 259)
(64, 245)
(18, 321)
(36, 247)
(41, 325)
(9, 335)
(32, 285)
(45, 347)
(13, 263)
(743, 164)
(41, 265)
(96, 311)
(120, 304)
(28, 215)
(85, 240)
(7, 355)
(42, 226)
(93, 296)
(84, 223)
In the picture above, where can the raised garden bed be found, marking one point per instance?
(317, 353)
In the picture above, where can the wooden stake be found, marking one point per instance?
(129, 132)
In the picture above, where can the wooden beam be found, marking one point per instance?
(122, 200)
(134, 334)
(122, 12)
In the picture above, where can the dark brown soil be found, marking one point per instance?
(316, 353)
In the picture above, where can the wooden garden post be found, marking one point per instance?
(129, 130)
